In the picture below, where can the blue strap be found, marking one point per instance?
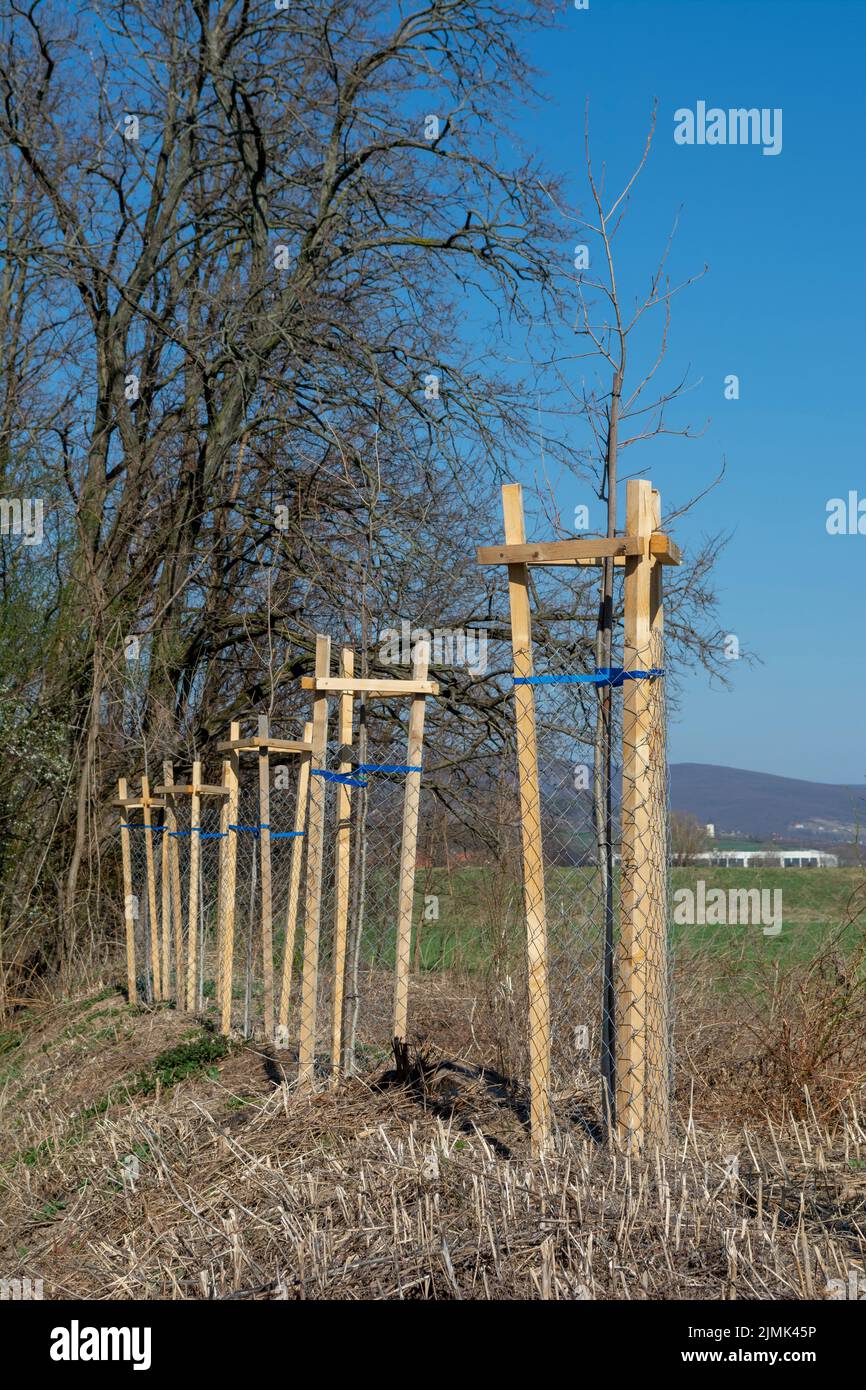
(606, 675)
(274, 834)
(196, 829)
(386, 767)
(344, 778)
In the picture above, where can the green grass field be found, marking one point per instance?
(472, 912)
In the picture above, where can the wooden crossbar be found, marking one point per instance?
(340, 685)
(264, 745)
(191, 789)
(590, 550)
(137, 803)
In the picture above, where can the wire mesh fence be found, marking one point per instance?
(164, 866)
(516, 921)
(573, 851)
(373, 957)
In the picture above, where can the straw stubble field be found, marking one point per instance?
(144, 1156)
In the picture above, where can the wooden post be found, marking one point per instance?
(530, 823)
(227, 887)
(294, 890)
(221, 879)
(147, 821)
(409, 845)
(128, 898)
(186, 982)
(343, 853)
(265, 864)
(194, 872)
(173, 856)
(658, 1015)
(641, 1043)
(165, 893)
(315, 850)
(642, 1062)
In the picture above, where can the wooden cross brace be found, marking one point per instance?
(375, 689)
(641, 971)
(263, 744)
(139, 803)
(187, 992)
(591, 550)
(347, 686)
(192, 789)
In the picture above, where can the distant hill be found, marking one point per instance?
(760, 806)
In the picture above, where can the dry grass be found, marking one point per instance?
(126, 1175)
(759, 1039)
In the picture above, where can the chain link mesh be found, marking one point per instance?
(538, 949)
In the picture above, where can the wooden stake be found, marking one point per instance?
(165, 886)
(343, 852)
(642, 1070)
(530, 824)
(221, 880)
(294, 890)
(227, 892)
(658, 1018)
(409, 846)
(313, 894)
(128, 898)
(151, 887)
(176, 892)
(194, 871)
(265, 863)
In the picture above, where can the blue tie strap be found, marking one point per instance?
(607, 675)
(345, 779)
(395, 768)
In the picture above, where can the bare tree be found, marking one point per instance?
(241, 245)
(688, 838)
(623, 406)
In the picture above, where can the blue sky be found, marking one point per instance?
(782, 306)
